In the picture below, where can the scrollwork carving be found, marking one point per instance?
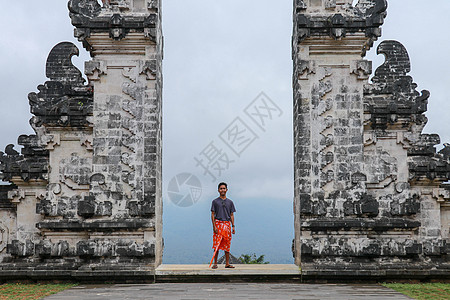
(64, 100)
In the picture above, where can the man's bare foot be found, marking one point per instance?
(214, 266)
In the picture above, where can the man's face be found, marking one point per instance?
(223, 190)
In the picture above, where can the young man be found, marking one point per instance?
(222, 217)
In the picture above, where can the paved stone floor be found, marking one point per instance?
(192, 291)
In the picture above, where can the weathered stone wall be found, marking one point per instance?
(86, 198)
(369, 193)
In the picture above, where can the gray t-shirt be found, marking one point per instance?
(222, 209)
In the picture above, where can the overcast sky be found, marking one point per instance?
(219, 56)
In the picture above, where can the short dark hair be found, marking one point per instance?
(222, 183)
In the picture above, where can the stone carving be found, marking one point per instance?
(21, 249)
(106, 248)
(300, 5)
(94, 69)
(445, 152)
(84, 9)
(153, 5)
(32, 164)
(5, 203)
(77, 169)
(48, 249)
(4, 236)
(405, 207)
(363, 248)
(366, 206)
(363, 69)
(88, 208)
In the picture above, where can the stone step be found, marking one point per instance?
(241, 272)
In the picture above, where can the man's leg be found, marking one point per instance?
(227, 260)
(216, 257)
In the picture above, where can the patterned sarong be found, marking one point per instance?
(222, 239)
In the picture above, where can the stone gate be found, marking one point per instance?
(370, 192)
(85, 197)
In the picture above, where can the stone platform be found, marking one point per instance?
(242, 272)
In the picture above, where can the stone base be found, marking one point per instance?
(92, 273)
(310, 274)
(77, 276)
(138, 273)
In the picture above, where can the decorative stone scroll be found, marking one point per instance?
(64, 100)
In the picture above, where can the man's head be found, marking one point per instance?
(223, 188)
(222, 183)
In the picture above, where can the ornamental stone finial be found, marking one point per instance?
(336, 19)
(116, 17)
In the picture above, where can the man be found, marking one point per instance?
(222, 217)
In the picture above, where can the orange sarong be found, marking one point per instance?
(222, 239)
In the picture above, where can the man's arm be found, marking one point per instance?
(232, 222)
(213, 219)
